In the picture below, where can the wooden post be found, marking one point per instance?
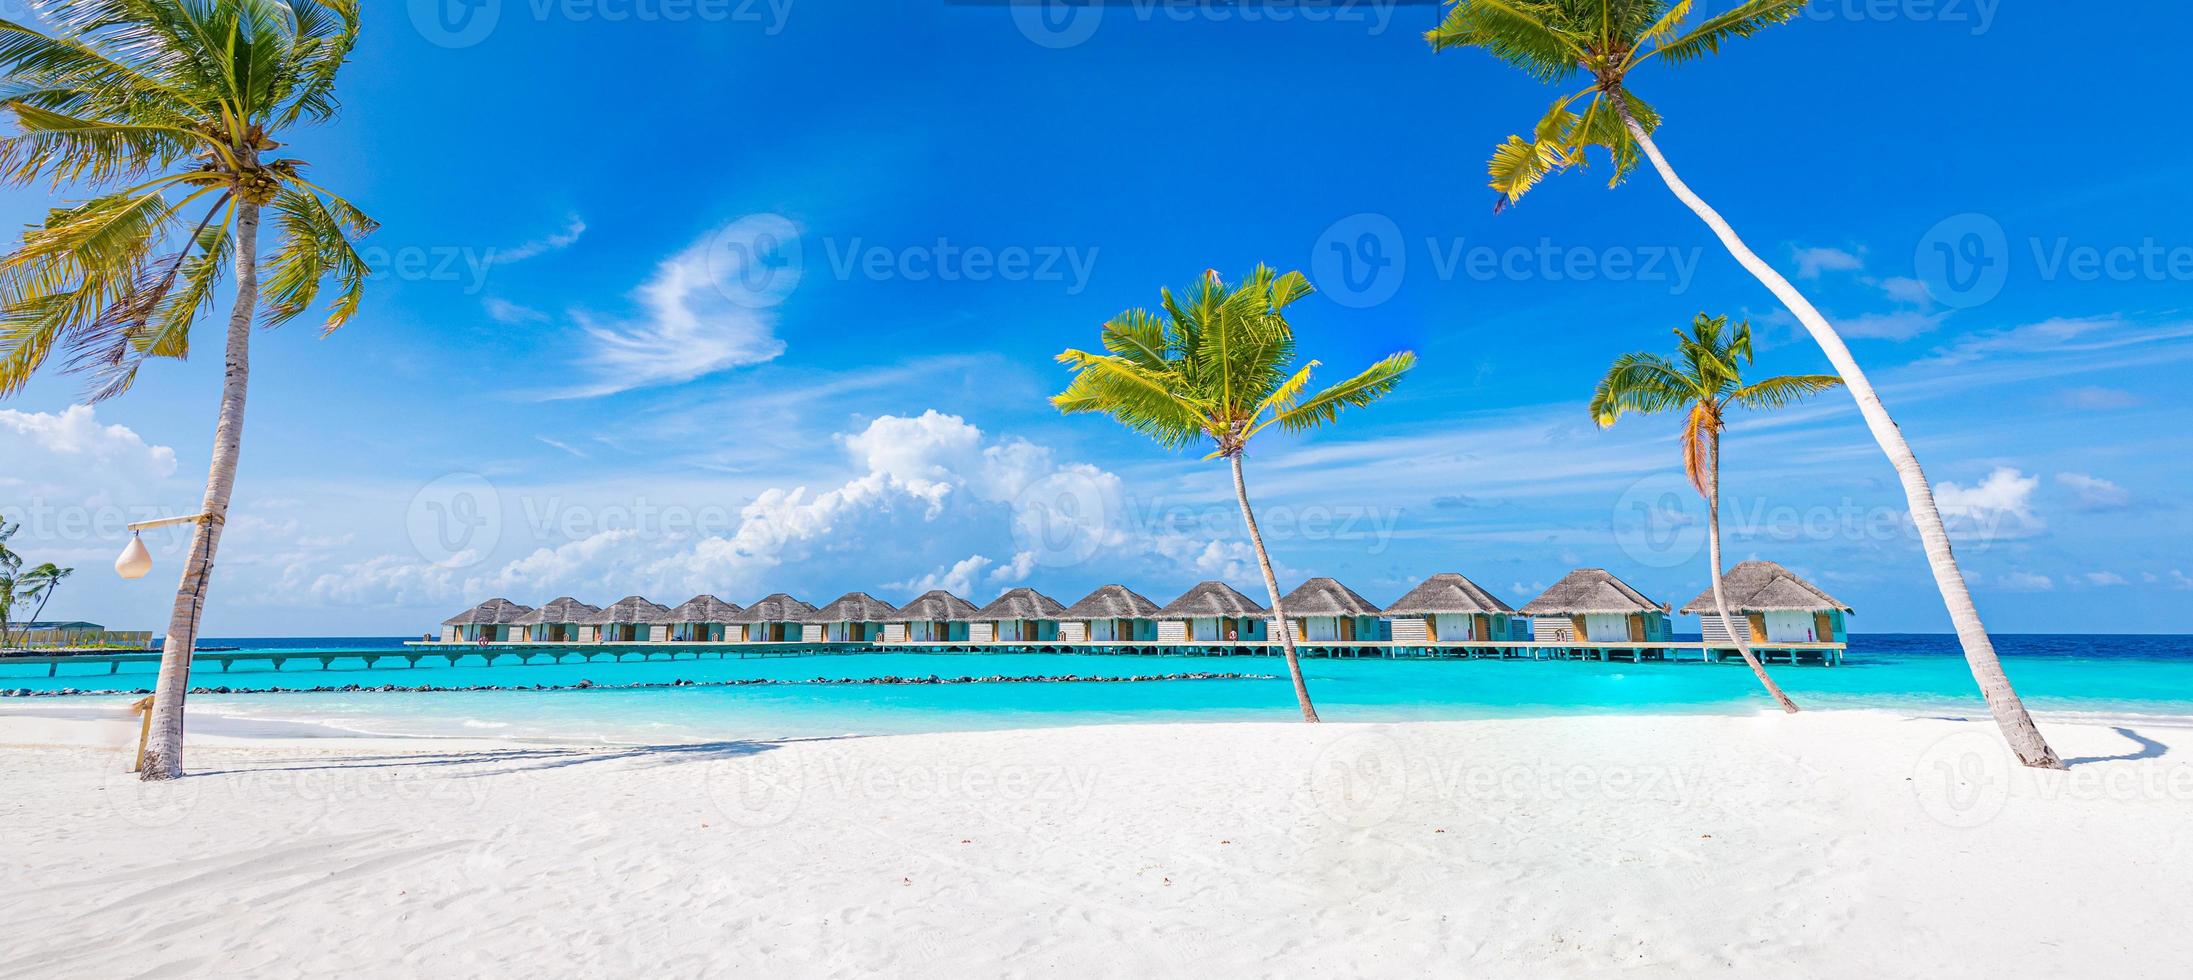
(143, 707)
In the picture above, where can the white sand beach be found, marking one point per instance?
(1831, 844)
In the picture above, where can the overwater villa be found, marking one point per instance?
(1449, 608)
(493, 621)
(1776, 605)
(1112, 614)
(702, 619)
(633, 619)
(935, 616)
(855, 617)
(1021, 615)
(1322, 610)
(1212, 612)
(776, 619)
(561, 620)
(1591, 606)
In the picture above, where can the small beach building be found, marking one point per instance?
(935, 616)
(1212, 612)
(702, 619)
(1021, 615)
(855, 617)
(778, 618)
(633, 619)
(562, 620)
(1772, 605)
(1449, 608)
(1591, 606)
(493, 621)
(1112, 614)
(1322, 610)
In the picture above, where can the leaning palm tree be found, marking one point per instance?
(169, 114)
(43, 582)
(1556, 41)
(1220, 367)
(1704, 380)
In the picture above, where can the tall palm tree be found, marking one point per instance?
(1704, 380)
(170, 115)
(1220, 368)
(1556, 41)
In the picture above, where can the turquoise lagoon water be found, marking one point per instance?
(2112, 676)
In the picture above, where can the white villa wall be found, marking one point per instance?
(1073, 632)
(982, 632)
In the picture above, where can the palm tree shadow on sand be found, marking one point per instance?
(2148, 749)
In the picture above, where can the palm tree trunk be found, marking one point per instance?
(2002, 700)
(1713, 554)
(1271, 583)
(164, 747)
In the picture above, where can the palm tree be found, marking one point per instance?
(43, 582)
(170, 114)
(1220, 367)
(1555, 41)
(1704, 379)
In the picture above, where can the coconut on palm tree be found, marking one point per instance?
(1704, 380)
(170, 116)
(1598, 43)
(1217, 368)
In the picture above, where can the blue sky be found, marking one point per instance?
(573, 376)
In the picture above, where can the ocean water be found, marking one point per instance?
(2110, 676)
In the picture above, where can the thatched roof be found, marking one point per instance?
(1590, 590)
(1021, 603)
(778, 608)
(1763, 586)
(1211, 599)
(1111, 602)
(631, 609)
(935, 606)
(1326, 597)
(493, 612)
(855, 607)
(562, 609)
(703, 609)
(1448, 593)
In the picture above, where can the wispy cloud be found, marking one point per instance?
(574, 227)
(706, 309)
(566, 447)
(1813, 261)
(505, 311)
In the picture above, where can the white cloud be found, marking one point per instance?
(1999, 507)
(504, 311)
(569, 236)
(1813, 261)
(69, 458)
(2095, 493)
(706, 309)
(2103, 580)
(2179, 580)
(919, 484)
(2027, 582)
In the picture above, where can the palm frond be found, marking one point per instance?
(1323, 408)
(1527, 34)
(1741, 21)
(1785, 390)
(1640, 383)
